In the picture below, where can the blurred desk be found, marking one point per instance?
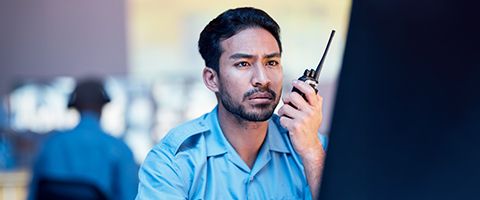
(14, 184)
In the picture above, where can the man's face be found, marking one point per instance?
(250, 80)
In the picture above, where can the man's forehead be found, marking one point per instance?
(251, 41)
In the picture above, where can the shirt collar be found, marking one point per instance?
(277, 136)
(216, 141)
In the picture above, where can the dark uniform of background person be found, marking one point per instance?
(85, 162)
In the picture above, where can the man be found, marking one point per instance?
(86, 162)
(241, 150)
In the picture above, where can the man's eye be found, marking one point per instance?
(272, 63)
(242, 64)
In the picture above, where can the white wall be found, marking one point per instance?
(40, 39)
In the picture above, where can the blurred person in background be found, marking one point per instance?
(6, 148)
(241, 150)
(85, 162)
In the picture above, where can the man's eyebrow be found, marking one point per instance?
(241, 55)
(248, 56)
(273, 55)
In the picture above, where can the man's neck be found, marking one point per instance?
(246, 137)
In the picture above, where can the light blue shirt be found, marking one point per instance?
(195, 161)
(88, 154)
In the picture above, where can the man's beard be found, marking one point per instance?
(265, 110)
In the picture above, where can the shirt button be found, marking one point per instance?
(251, 179)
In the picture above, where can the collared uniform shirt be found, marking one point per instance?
(195, 161)
(88, 154)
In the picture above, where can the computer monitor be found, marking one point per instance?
(406, 122)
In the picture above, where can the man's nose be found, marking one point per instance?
(260, 76)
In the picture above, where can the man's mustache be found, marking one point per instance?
(259, 90)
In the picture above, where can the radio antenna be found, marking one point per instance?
(320, 65)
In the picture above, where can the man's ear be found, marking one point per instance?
(210, 78)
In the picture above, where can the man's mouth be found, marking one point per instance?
(262, 95)
(258, 96)
(261, 98)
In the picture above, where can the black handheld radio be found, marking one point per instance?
(311, 76)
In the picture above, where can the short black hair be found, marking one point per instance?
(228, 24)
(88, 94)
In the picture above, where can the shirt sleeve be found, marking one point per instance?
(307, 194)
(323, 140)
(160, 177)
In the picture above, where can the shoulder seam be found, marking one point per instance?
(178, 135)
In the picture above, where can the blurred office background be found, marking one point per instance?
(146, 52)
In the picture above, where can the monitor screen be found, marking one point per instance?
(406, 122)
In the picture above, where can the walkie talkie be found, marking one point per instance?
(311, 76)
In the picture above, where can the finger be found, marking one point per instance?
(286, 122)
(289, 111)
(298, 101)
(281, 112)
(291, 125)
(286, 98)
(320, 100)
(306, 89)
